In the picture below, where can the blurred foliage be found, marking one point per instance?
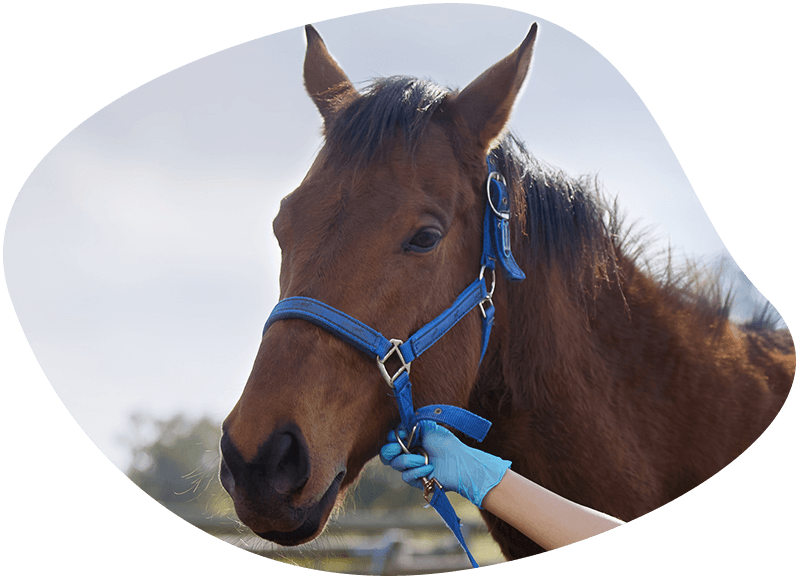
(177, 461)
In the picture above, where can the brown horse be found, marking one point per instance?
(615, 388)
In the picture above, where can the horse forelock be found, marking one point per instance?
(365, 125)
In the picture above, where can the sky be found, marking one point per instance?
(138, 252)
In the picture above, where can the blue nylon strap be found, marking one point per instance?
(444, 508)
(426, 336)
(402, 393)
(468, 423)
(488, 321)
(488, 257)
(497, 230)
(352, 331)
(465, 421)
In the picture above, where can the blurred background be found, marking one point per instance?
(140, 260)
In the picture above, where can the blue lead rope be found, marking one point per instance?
(496, 250)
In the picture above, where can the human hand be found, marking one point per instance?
(456, 466)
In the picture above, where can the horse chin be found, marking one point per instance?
(314, 522)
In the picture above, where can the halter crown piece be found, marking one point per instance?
(496, 250)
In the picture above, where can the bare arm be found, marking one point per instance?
(545, 517)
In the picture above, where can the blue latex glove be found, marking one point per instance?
(458, 467)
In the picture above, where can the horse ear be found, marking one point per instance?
(484, 106)
(325, 81)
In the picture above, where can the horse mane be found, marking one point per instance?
(565, 220)
(572, 222)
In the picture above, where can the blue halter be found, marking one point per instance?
(496, 250)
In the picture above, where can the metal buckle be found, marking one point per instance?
(404, 366)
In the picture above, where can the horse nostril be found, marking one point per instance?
(281, 465)
(285, 461)
(282, 451)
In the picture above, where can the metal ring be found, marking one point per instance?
(499, 177)
(494, 281)
(488, 297)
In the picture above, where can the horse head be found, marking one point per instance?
(387, 228)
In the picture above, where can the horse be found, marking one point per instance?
(606, 383)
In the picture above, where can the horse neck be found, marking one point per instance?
(557, 345)
(543, 340)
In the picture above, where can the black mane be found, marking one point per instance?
(563, 217)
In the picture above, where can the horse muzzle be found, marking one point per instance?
(268, 491)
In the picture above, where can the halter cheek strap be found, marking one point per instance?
(496, 229)
(496, 250)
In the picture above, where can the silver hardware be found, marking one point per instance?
(505, 234)
(429, 487)
(494, 279)
(404, 366)
(488, 297)
(484, 301)
(497, 177)
(410, 439)
(428, 483)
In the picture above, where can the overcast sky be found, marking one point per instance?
(139, 254)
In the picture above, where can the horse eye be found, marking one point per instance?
(424, 240)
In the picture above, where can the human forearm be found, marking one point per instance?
(486, 480)
(545, 517)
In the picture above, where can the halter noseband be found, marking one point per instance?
(496, 250)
